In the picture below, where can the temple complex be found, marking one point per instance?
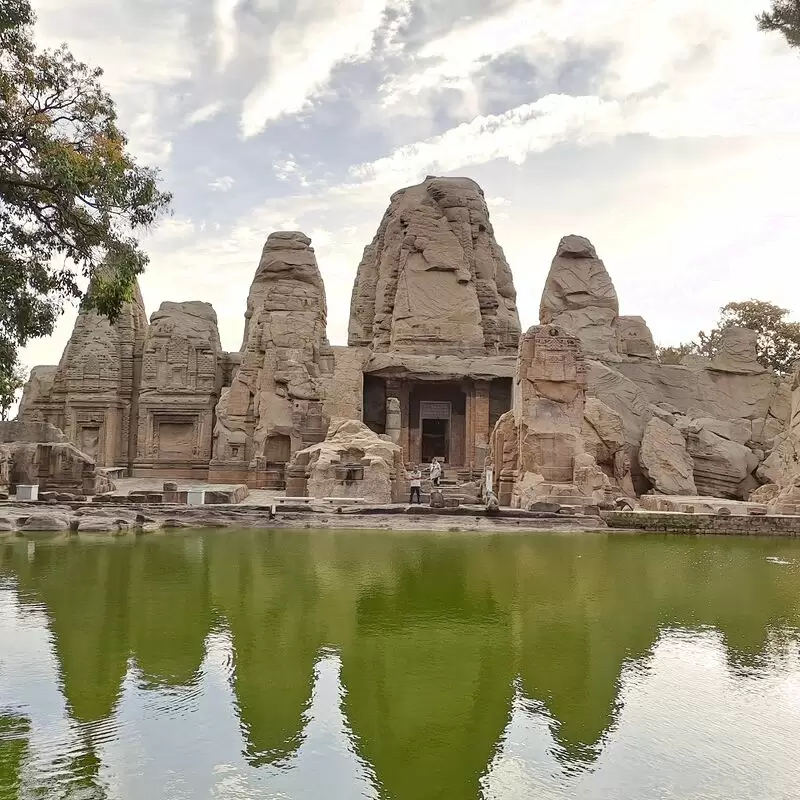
(435, 365)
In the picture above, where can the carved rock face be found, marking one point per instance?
(434, 279)
(277, 389)
(580, 296)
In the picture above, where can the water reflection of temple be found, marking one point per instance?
(432, 634)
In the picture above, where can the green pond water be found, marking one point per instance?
(342, 664)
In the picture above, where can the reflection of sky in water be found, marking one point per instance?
(689, 726)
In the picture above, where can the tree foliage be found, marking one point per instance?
(12, 378)
(783, 16)
(71, 197)
(777, 346)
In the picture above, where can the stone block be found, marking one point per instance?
(27, 492)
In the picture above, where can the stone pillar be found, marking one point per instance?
(402, 391)
(469, 394)
(394, 419)
(480, 431)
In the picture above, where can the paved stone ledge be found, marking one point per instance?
(77, 518)
(673, 522)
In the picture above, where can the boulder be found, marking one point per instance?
(720, 465)
(434, 279)
(352, 461)
(46, 523)
(634, 338)
(765, 494)
(580, 297)
(665, 460)
(735, 430)
(737, 352)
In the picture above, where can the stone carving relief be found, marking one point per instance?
(434, 278)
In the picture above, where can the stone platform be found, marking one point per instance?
(723, 525)
(701, 505)
(68, 519)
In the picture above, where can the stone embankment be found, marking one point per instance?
(69, 519)
(78, 518)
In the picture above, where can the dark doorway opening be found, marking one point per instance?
(435, 440)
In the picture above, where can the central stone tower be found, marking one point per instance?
(434, 280)
(434, 306)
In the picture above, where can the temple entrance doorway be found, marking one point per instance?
(435, 440)
(435, 430)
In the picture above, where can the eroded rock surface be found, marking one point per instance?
(274, 406)
(665, 460)
(434, 279)
(579, 296)
(538, 447)
(91, 396)
(180, 384)
(352, 462)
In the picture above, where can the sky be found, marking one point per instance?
(667, 133)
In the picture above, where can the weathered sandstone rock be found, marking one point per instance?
(36, 392)
(737, 352)
(665, 460)
(634, 338)
(91, 396)
(38, 454)
(604, 439)
(180, 384)
(352, 462)
(434, 279)
(580, 297)
(720, 465)
(275, 404)
(538, 448)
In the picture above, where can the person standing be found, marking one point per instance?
(436, 471)
(416, 482)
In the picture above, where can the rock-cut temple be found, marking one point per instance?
(433, 339)
(435, 362)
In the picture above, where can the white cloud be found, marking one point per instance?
(140, 60)
(222, 184)
(534, 127)
(204, 113)
(226, 31)
(289, 169)
(303, 52)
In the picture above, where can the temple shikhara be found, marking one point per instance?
(578, 409)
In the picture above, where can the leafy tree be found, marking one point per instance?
(674, 354)
(71, 197)
(777, 346)
(12, 378)
(783, 16)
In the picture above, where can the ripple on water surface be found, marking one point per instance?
(306, 665)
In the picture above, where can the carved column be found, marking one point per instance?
(469, 444)
(400, 390)
(480, 431)
(394, 419)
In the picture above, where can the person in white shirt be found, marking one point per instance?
(416, 482)
(436, 471)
